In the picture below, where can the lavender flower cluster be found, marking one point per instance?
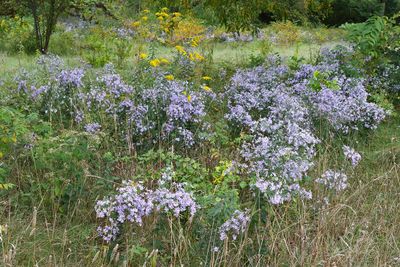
(177, 107)
(92, 127)
(353, 156)
(133, 202)
(52, 87)
(175, 104)
(333, 180)
(279, 109)
(342, 100)
(235, 225)
(282, 144)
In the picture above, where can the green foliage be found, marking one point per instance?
(237, 15)
(45, 15)
(7, 8)
(63, 43)
(370, 37)
(122, 50)
(287, 33)
(318, 10)
(321, 80)
(354, 11)
(378, 40)
(186, 169)
(62, 163)
(13, 126)
(16, 35)
(383, 99)
(292, 10)
(96, 51)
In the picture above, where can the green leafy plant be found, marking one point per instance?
(13, 126)
(320, 79)
(371, 37)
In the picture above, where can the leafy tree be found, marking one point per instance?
(391, 7)
(45, 14)
(284, 10)
(7, 8)
(354, 11)
(238, 15)
(317, 10)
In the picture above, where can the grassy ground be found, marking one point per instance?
(236, 53)
(360, 227)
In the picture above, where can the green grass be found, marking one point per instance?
(237, 53)
(10, 64)
(360, 227)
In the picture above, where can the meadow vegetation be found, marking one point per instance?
(187, 133)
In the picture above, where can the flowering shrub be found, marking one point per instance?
(279, 108)
(133, 202)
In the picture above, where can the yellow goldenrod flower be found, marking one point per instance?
(181, 49)
(155, 62)
(176, 14)
(164, 9)
(191, 57)
(165, 15)
(145, 18)
(146, 11)
(160, 18)
(194, 43)
(169, 77)
(189, 97)
(143, 56)
(164, 61)
(206, 88)
(198, 56)
(135, 24)
(207, 78)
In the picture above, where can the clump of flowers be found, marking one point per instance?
(282, 144)
(235, 225)
(71, 77)
(278, 109)
(353, 156)
(181, 108)
(133, 202)
(175, 201)
(92, 127)
(130, 204)
(333, 180)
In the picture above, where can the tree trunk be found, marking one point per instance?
(38, 35)
(50, 23)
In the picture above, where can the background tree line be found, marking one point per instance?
(235, 15)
